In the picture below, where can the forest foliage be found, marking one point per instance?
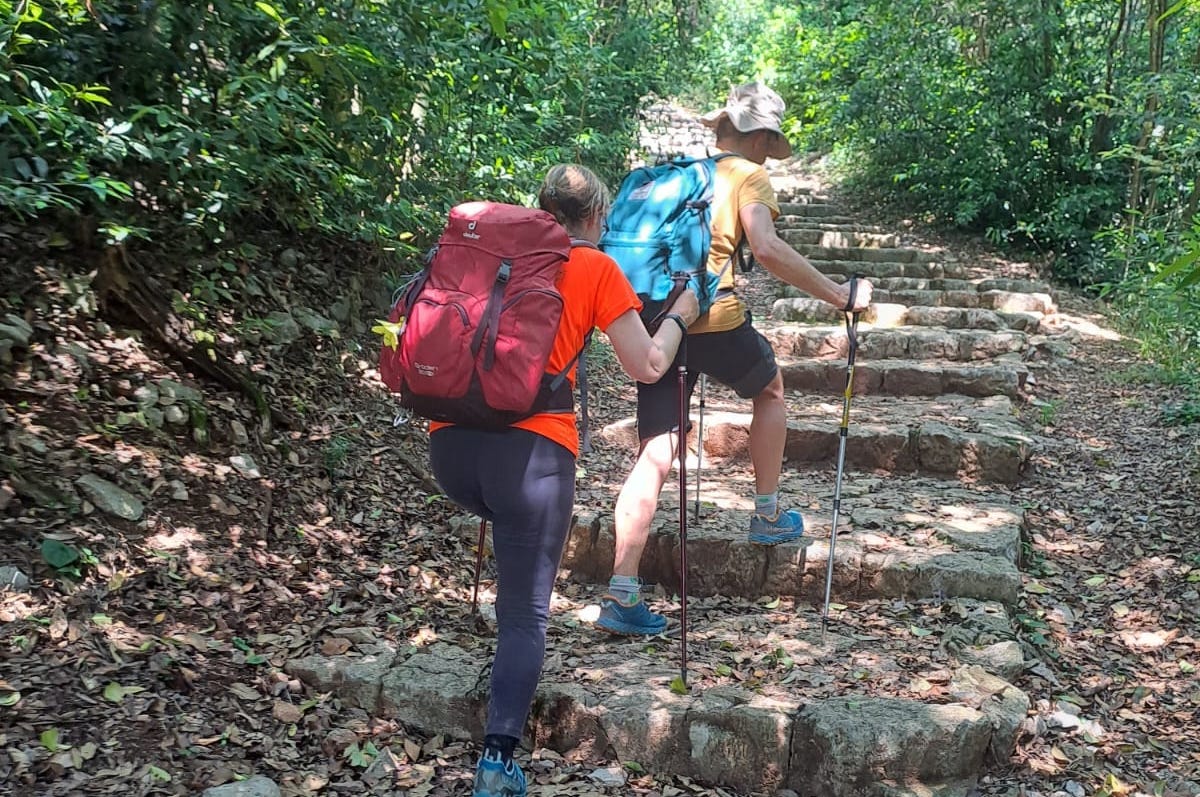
(1071, 127)
(358, 118)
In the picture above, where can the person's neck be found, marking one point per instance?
(733, 147)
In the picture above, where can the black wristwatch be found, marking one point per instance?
(678, 319)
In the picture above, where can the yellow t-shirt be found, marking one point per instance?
(738, 183)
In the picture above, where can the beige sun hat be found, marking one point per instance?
(753, 106)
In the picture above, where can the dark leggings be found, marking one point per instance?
(524, 484)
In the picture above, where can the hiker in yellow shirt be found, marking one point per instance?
(724, 344)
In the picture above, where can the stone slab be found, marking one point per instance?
(838, 239)
(904, 377)
(839, 714)
(896, 343)
(888, 254)
(951, 435)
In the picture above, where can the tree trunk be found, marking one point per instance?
(1156, 27)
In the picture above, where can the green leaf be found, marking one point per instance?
(10, 699)
(678, 686)
(256, 658)
(919, 632)
(58, 554)
(724, 669)
(115, 693)
(49, 739)
(1094, 581)
(390, 332)
(158, 774)
(269, 10)
(772, 604)
(634, 766)
(1037, 588)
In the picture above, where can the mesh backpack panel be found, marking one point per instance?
(660, 224)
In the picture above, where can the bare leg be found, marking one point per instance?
(768, 435)
(638, 501)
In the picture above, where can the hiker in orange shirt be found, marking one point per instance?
(522, 478)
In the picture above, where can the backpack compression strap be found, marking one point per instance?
(585, 445)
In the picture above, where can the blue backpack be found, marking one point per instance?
(660, 229)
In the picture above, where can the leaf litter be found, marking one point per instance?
(158, 668)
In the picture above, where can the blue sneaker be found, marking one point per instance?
(636, 620)
(495, 779)
(785, 527)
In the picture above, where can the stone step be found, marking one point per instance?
(827, 223)
(999, 300)
(885, 314)
(770, 703)
(811, 210)
(980, 284)
(951, 435)
(898, 343)
(838, 238)
(922, 270)
(928, 540)
(905, 377)
(889, 254)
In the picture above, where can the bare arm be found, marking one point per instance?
(792, 267)
(647, 358)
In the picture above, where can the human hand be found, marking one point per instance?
(862, 296)
(687, 306)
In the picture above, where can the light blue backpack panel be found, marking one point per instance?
(660, 224)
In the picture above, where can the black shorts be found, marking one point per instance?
(740, 358)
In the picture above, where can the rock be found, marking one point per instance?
(337, 740)
(281, 328)
(15, 329)
(608, 776)
(110, 498)
(357, 681)
(146, 396)
(179, 491)
(245, 465)
(240, 436)
(257, 786)
(290, 258)
(175, 415)
(12, 578)
(287, 713)
(170, 392)
(315, 321)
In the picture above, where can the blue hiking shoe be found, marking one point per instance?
(495, 779)
(636, 620)
(785, 527)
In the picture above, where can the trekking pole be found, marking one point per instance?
(700, 446)
(683, 419)
(852, 350)
(478, 564)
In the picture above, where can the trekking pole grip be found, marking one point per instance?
(851, 318)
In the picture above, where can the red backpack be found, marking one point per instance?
(474, 329)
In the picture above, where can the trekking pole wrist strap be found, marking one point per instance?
(853, 293)
(678, 319)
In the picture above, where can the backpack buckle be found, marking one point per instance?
(505, 272)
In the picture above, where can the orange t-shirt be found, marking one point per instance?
(595, 293)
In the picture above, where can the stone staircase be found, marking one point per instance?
(910, 691)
